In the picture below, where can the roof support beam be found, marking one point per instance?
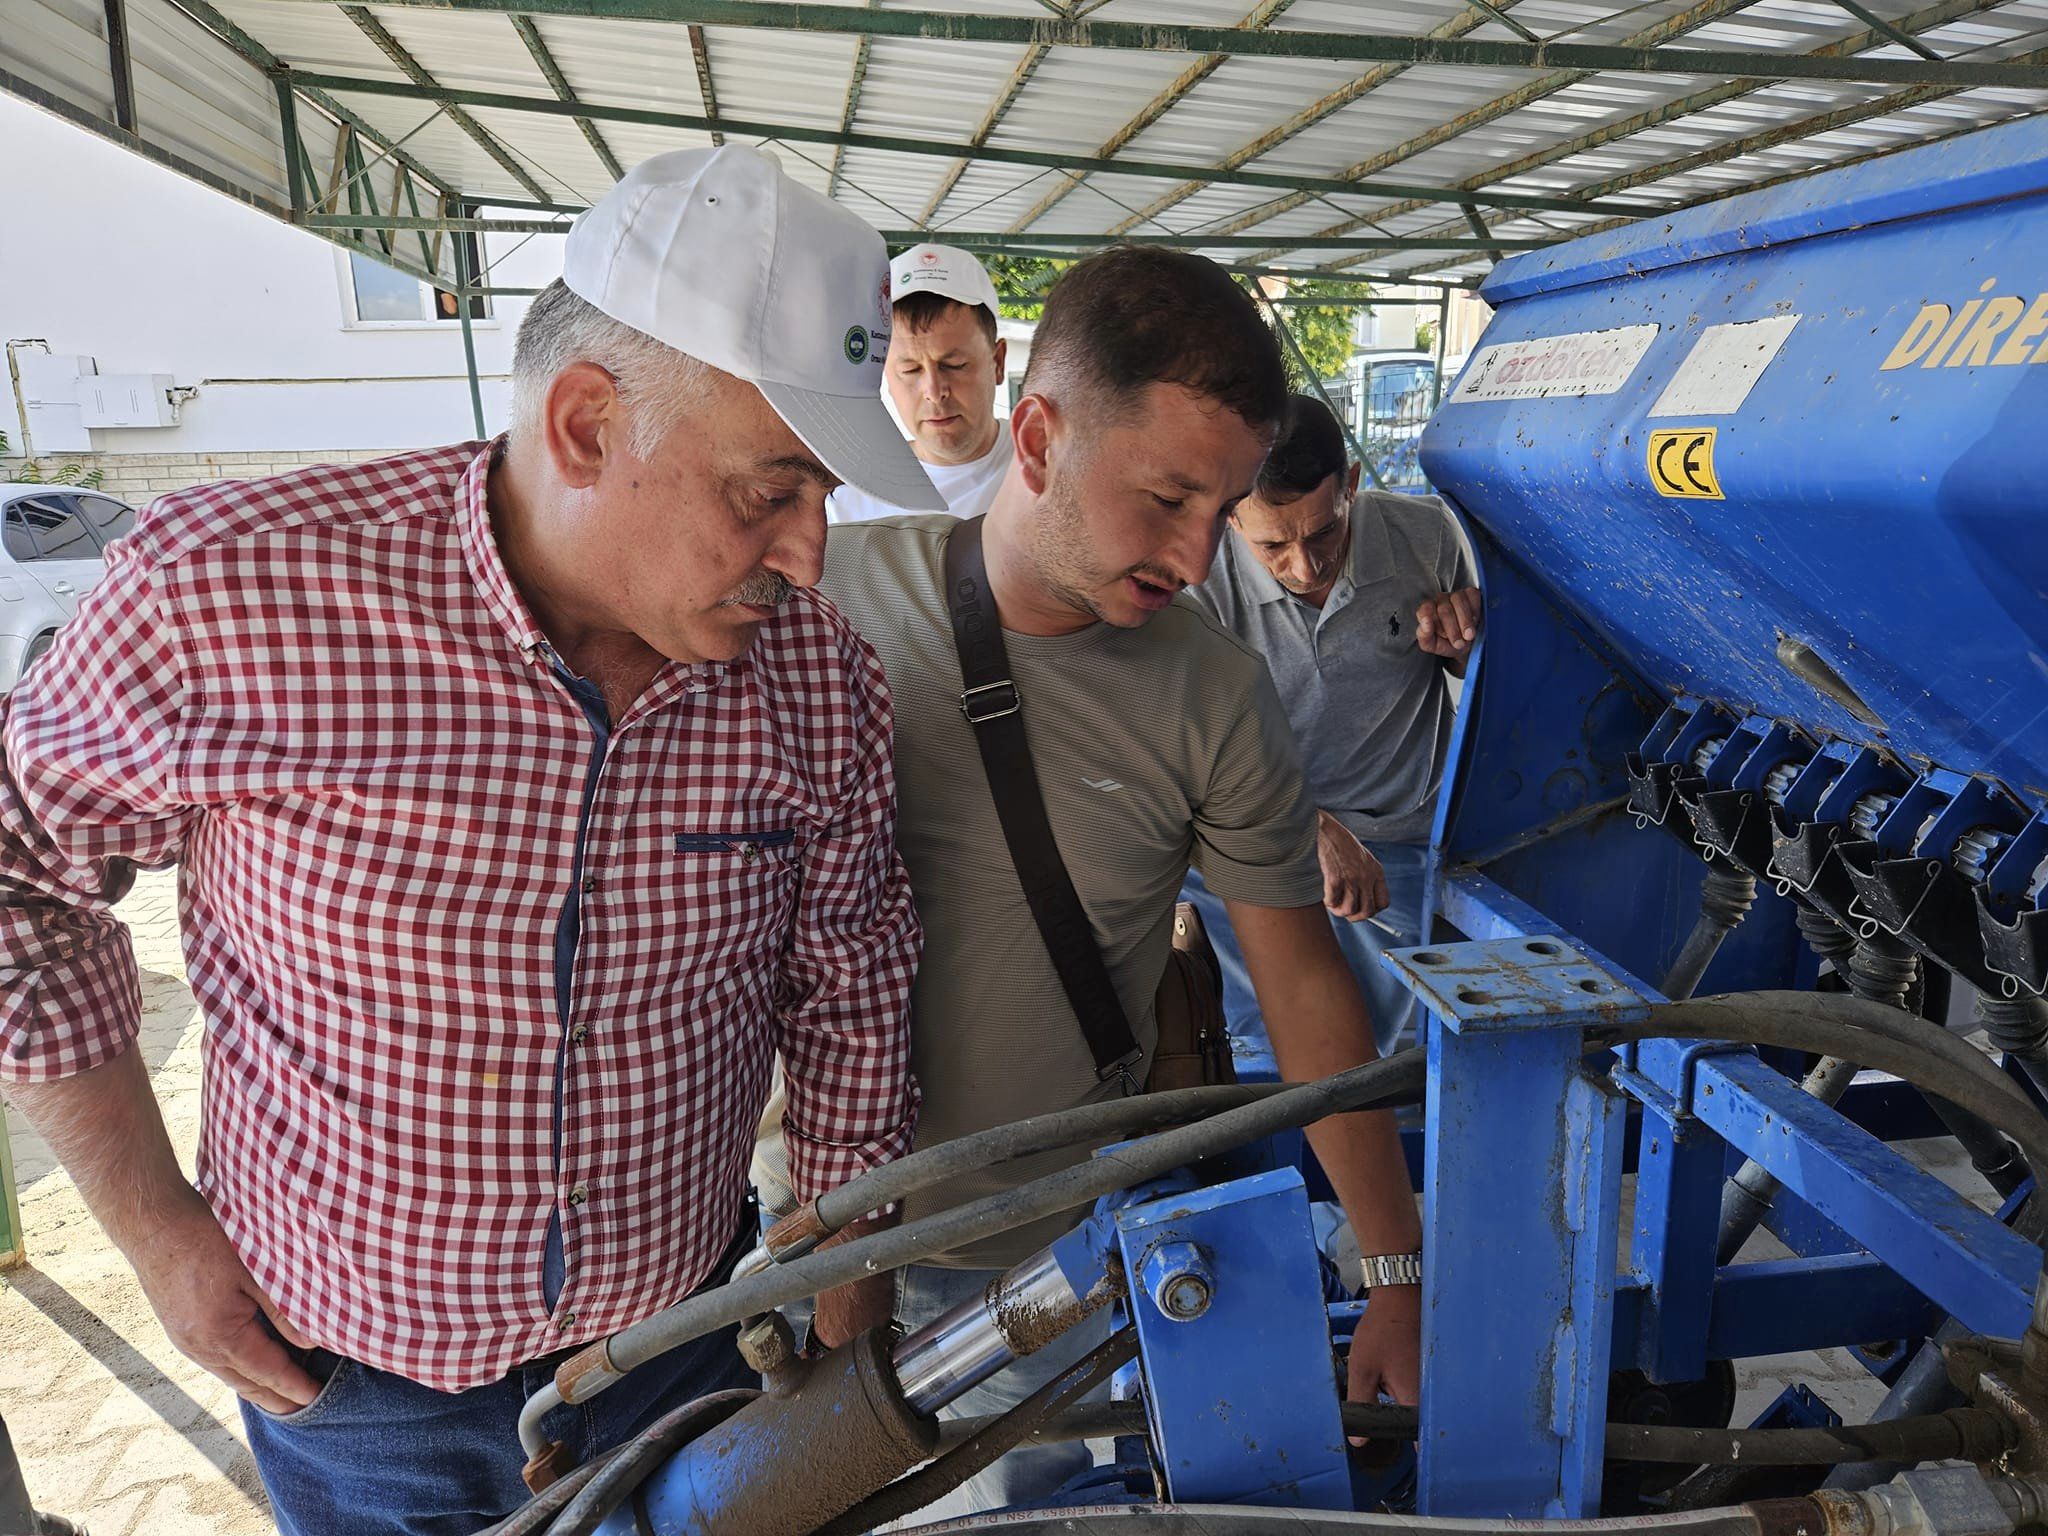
(856, 78)
(1005, 99)
(707, 89)
(204, 15)
(1684, 106)
(536, 45)
(992, 240)
(1464, 21)
(395, 51)
(118, 66)
(354, 85)
(1687, 20)
(1360, 47)
(1155, 109)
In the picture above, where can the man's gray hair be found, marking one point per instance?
(656, 382)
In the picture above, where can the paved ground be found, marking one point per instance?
(114, 1427)
(117, 1430)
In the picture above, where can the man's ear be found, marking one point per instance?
(1351, 482)
(1002, 359)
(1035, 426)
(582, 423)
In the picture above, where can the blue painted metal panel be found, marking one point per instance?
(1519, 1232)
(1242, 1398)
(1784, 1305)
(1880, 458)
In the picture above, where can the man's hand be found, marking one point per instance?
(1447, 624)
(1386, 1351)
(848, 1311)
(213, 1311)
(1354, 885)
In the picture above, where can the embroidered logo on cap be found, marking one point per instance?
(857, 344)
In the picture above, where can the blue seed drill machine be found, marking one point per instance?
(1760, 498)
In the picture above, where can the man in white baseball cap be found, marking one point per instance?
(945, 365)
(585, 808)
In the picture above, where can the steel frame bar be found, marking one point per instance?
(795, 133)
(119, 68)
(1464, 21)
(1690, 19)
(856, 79)
(1684, 106)
(990, 121)
(203, 15)
(707, 88)
(1258, 16)
(529, 34)
(1362, 47)
(398, 54)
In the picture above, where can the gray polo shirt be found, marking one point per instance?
(1371, 713)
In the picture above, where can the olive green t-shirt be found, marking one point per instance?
(1153, 746)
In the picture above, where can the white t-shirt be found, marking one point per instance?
(968, 488)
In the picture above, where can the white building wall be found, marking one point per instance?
(106, 254)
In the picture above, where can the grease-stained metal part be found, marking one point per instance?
(1020, 1312)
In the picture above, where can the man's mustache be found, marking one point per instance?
(764, 589)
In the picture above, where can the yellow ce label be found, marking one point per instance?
(1682, 463)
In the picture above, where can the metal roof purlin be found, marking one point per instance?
(707, 90)
(396, 52)
(1687, 20)
(855, 79)
(795, 133)
(536, 45)
(1465, 21)
(1005, 98)
(1153, 110)
(1919, 21)
(1151, 37)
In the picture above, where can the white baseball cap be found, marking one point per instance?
(945, 270)
(719, 254)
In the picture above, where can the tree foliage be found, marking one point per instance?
(1322, 332)
(34, 472)
(1021, 275)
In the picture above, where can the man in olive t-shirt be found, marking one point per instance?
(1159, 741)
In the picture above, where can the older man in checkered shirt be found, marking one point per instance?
(525, 805)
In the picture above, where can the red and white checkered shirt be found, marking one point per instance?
(324, 698)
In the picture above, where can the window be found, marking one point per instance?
(110, 519)
(382, 295)
(48, 528)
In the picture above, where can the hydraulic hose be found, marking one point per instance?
(1962, 1434)
(1833, 1025)
(637, 1459)
(1746, 1198)
(1090, 1125)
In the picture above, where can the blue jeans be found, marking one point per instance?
(378, 1455)
(1398, 927)
(1031, 1472)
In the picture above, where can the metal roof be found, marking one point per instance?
(1339, 136)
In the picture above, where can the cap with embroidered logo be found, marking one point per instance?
(721, 255)
(945, 270)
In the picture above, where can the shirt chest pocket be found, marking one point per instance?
(734, 890)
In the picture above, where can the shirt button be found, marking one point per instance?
(748, 852)
(579, 1034)
(589, 884)
(566, 1320)
(578, 1195)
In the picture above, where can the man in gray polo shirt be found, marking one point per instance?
(1153, 392)
(1364, 606)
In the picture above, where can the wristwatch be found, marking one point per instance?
(1380, 1269)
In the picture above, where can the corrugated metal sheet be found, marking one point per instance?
(206, 105)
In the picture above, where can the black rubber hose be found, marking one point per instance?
(1963, 1434)
(639, 1458)
(996, 1437)
(1091, 1125)
(534, 1516)
(1725, 899)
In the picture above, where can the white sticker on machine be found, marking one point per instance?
(1723, 367)
(1574, 365)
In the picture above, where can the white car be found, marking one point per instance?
(52, 536)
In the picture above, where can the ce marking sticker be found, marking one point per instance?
(1681, 463)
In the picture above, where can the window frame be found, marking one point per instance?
(352, 320)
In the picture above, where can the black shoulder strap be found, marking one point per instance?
(992, 705)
